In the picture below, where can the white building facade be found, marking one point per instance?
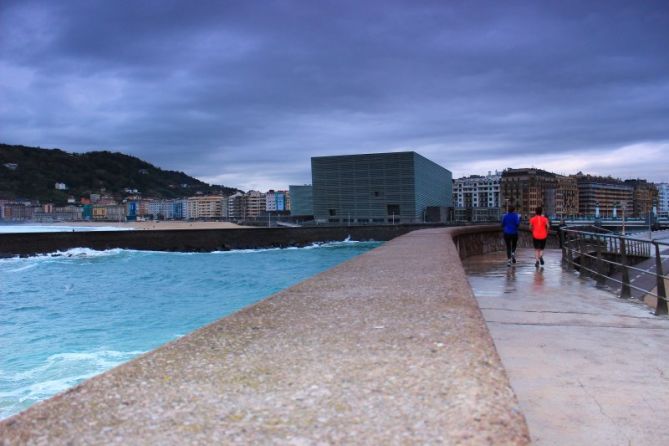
(276, 201)
(477, 198)
(663, 198)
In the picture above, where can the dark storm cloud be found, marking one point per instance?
(244, 93)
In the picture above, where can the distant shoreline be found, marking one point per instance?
(141, 225)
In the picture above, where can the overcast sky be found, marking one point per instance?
(243, 93)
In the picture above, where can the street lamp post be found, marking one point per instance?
(651, 213)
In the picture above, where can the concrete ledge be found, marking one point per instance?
(387, 348)
(477, 240)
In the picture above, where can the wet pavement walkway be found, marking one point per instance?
(587, 367)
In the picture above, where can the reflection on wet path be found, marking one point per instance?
(587, 367)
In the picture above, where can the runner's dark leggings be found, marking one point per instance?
(511, 240)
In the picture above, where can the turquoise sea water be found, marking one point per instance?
(68, 316)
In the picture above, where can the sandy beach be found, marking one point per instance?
(151, 225)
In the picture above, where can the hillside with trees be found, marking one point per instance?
(32, 173)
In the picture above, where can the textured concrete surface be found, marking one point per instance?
(388, 348)
(588, 368)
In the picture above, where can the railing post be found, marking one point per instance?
(582, 258)
(625, 292)
(601, 276)
(570, 253)
(661, 307)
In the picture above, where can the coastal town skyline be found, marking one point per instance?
(359, 184)
(240, 95)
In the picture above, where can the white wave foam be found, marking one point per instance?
(83, 362)
(59, 372)
(83, 253)
(315, 245)
(22, 268)
(86, 252)
(73, 253)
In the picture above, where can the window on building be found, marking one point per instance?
(393, 209)
(332, 212)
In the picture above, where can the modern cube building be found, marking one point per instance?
(393, 187)
(301, 200)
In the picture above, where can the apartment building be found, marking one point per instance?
(605, 193)
(644, 197)
(477, 198)
(207, 207)
(277, 201)
(166, 209)
(566, 197)
(108, 212)
(254, 204)
(49, 213)
(528, 188)
(17, 211)
(249, 205)
(234, 206)
(663, 198)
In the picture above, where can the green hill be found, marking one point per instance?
(31, 173)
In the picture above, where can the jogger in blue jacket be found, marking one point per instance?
(510, 223)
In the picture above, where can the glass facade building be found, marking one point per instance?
(378, 188)
(301, 200)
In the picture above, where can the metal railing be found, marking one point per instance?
(612, 258)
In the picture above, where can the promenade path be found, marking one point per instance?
(587, 367)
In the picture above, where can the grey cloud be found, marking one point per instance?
(217, 88)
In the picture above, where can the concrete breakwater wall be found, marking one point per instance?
(188, 240)
(477, 240)
(387, 348)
